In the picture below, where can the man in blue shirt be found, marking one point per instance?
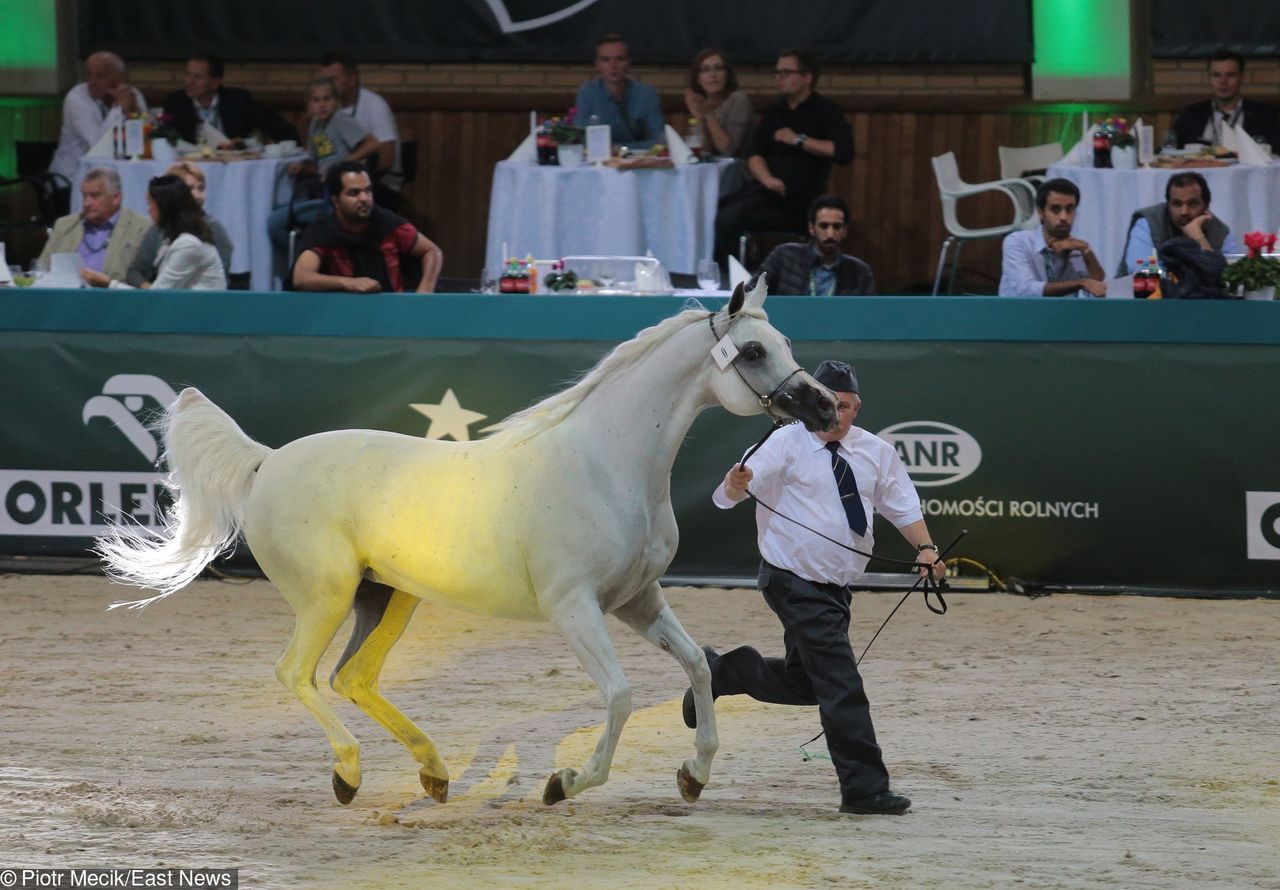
(631, 109)
(1048, 261)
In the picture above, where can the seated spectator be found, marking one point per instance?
(91, 109)
(188, 260)
(723, 113)
(1185, 212)
(361, 248)
(790, 155)
(1047, 261)
(375, 115)
(106, 235)
(331, 137)
(145, 265)
(232, 110)
(631, 109)
(818, 267)
(1205, 121)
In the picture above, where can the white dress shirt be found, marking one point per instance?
(792, 473)
(85, 120)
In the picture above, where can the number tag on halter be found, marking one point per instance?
(724, 352)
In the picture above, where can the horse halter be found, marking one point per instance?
(765, 401)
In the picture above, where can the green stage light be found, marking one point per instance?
(29, 37)
(1086, 41)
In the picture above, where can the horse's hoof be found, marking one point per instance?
(690, 788)
(437, 788)
(344, 792)
(554, 792)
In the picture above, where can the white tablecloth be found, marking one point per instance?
(1247, 199)
(551, 212)
(240, 194)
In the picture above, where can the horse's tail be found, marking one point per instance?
(211, 470)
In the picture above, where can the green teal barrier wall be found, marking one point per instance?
(1080, 442)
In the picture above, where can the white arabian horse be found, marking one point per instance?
(564, 514)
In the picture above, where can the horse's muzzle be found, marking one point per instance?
(810, 403)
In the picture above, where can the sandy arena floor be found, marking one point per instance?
(1067, 741)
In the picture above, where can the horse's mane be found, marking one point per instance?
(552, 410)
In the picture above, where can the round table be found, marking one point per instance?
(1247, 199)
(551, 212)
(240, 195)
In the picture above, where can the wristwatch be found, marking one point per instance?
(799, 140)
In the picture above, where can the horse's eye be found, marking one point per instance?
(753, 352)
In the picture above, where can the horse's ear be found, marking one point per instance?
(755, 299)
(735, 302)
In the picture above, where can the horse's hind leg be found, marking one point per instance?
(582, 623)
(381, 616)
(650, 616)
(318, 618)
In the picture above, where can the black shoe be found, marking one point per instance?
(882, 803)
(687, 709)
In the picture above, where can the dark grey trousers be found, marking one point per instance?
(818, 668)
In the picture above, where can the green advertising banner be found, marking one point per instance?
(1117, 444)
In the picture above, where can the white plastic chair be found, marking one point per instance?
(951, 188)
(1016, 162)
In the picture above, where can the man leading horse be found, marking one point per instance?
(831, 481)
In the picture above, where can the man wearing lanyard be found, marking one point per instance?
(231, 111)
(832, 482)
(1205, 121)
(1047, 261)
(818, 267)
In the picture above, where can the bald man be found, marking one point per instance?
(91, 109)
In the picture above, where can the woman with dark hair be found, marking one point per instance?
(143, 268)
(188, 261)
(723, 113)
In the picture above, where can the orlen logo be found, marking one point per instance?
(934, 453)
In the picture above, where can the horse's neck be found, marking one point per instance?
(642, 416)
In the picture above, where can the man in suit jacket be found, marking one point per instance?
(231, 110)
(104, 234)
(1205, 121)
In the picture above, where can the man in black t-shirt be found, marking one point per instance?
(791, 153)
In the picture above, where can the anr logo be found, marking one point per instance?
(934, 453)
(123, 412)
(1262, 524)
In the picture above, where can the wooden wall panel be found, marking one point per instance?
(897, 221)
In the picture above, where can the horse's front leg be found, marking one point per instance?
(582, 623)
(650, 616)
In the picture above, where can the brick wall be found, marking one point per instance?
(1004, 81)
(1189, 77)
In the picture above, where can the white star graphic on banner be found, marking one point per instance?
(449, 418)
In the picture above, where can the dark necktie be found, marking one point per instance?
(848, 488)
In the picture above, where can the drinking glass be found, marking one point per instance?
(708, 275)
(487, 283)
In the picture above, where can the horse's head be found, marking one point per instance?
(763, 375)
